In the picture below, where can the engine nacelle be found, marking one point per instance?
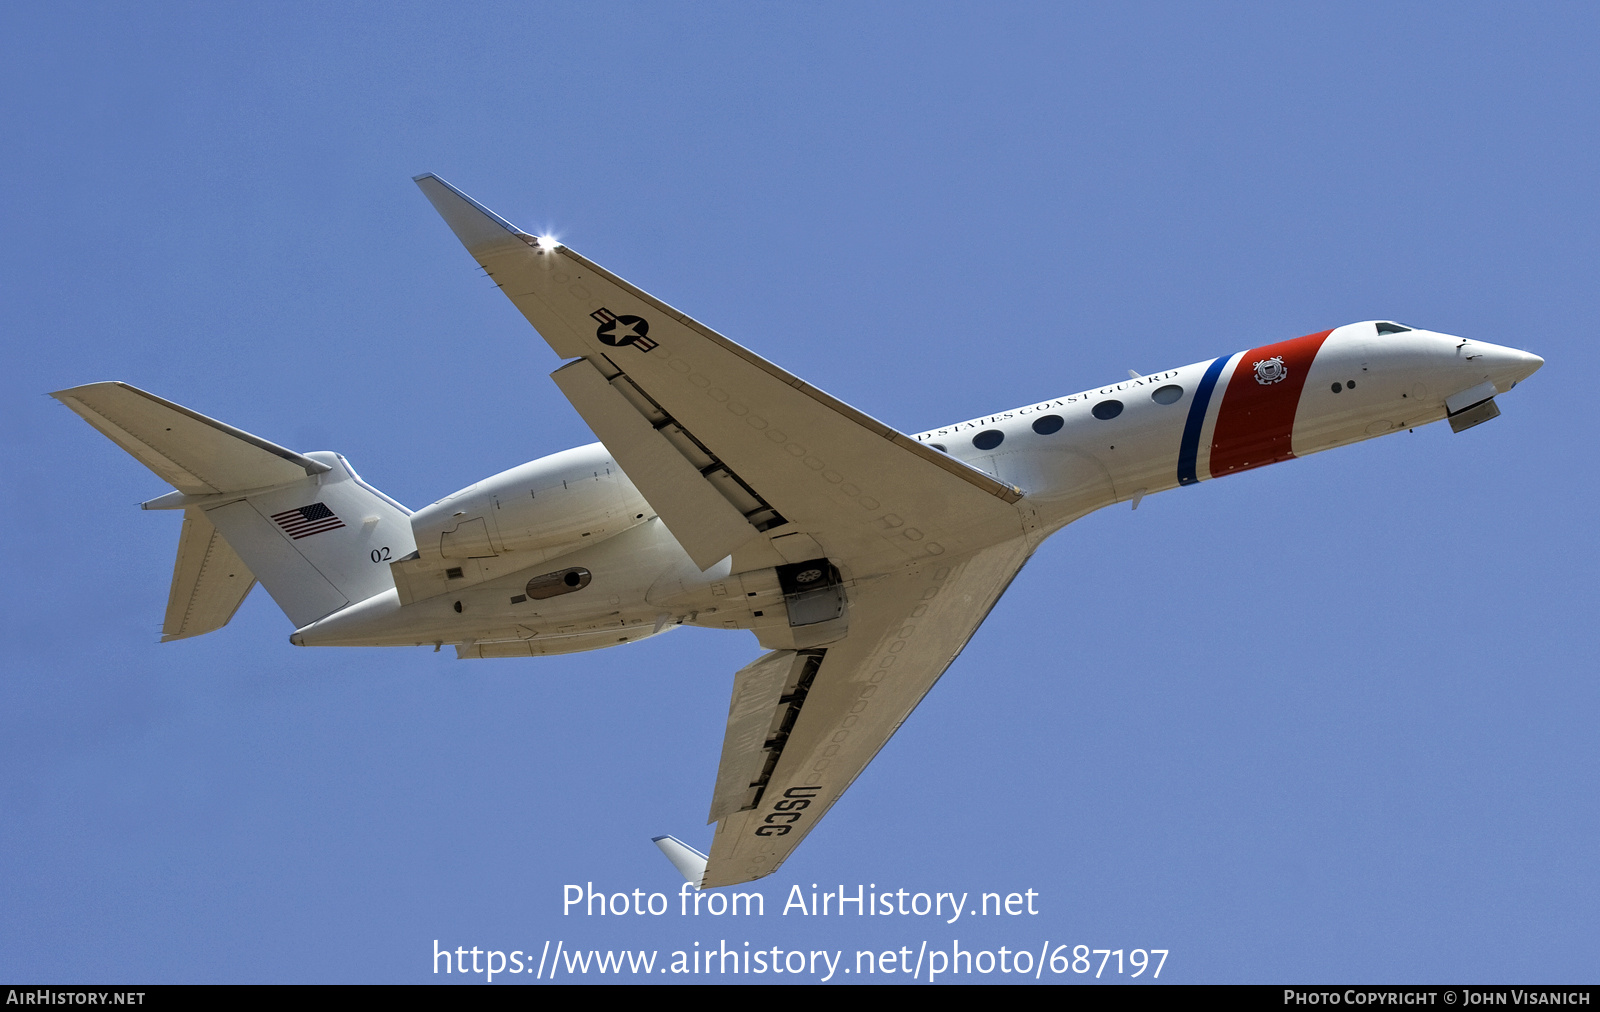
(518, 519)
(547, 507)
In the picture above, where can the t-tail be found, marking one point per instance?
(305, 525)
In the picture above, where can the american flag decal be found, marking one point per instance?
(304, 521)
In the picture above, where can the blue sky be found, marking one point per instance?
(1330, 720)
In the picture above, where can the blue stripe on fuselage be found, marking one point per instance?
(1189, 449)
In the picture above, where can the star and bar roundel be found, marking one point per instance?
(620, 330)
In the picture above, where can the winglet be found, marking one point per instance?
(691, 864)
(478, 228)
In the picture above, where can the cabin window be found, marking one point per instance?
(1169, 394)
(939, 446)
(1107, 410)
(1047, 424)
(988, 439)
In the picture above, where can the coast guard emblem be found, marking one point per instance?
(1271, 370)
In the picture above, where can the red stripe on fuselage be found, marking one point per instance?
(1256, 420)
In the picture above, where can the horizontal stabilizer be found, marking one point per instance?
(192, 453)
(209, 581)
(691, 864)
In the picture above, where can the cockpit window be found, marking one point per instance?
(1392, 328)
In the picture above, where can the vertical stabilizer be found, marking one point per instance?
(305, 525)
(319, 543)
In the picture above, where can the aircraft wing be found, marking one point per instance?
(824, 713)
(724, 444)
(738, 457)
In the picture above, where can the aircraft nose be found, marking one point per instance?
(1505, 366)
(1530, 364)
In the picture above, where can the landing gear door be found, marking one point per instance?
(814, 610)
(812, 592)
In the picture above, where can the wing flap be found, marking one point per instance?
(701, 518)
(760, 714)
(905, 631)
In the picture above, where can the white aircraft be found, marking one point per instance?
(725, 492)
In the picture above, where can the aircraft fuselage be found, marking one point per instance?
(563, 554)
